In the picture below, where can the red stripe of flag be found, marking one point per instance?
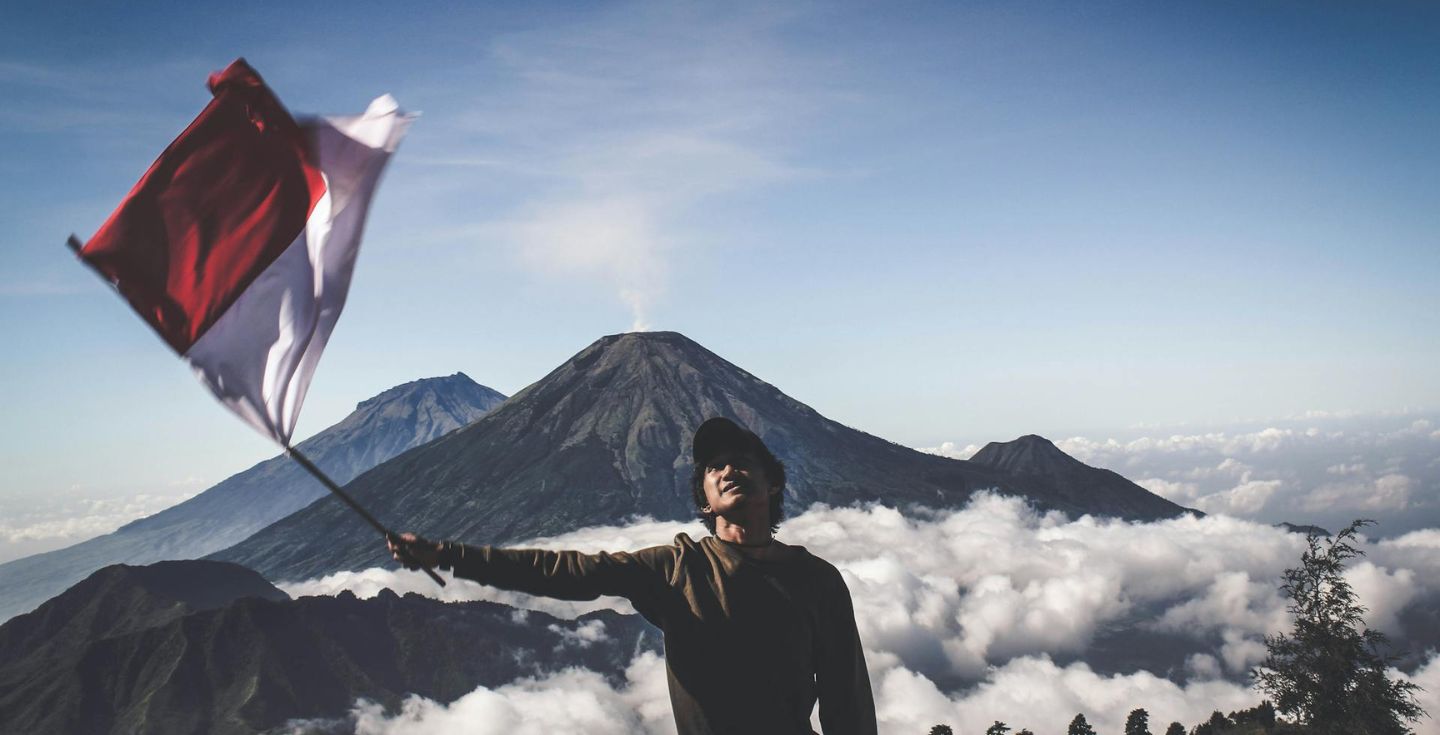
(219, 205)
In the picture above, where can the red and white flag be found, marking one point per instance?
(238, 244)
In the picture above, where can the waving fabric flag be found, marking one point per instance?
(238, 244)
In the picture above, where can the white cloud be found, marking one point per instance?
(368, 583)
(1427, 677)
(86, 518)
(571, 701)
(628, 123)
(581, 636)
(1035, 693)
(613, 238)
(1329, 470)
(1428, 538)
(1346, 469)
(986, 598)
(951, 450)
(1243, 500)
(1385, 592)
(1232, 602)
(1183, 493)
(1388, 493)
(1265, 440)
(641, 532)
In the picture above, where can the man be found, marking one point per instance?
(755, 630)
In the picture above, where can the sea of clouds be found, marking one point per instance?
(1322, 469)
(990, 612)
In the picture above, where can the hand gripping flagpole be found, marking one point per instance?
(305, 462)
(237, 247)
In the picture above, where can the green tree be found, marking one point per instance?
(1262, 715)
(1175, 728)
(1079, 726)
(1328, 672)
(1218, 724)
(1138, 723)
(1024, 731)
(999, 728)
(941, 730)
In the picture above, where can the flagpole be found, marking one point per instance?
(75, 245)
(334, 488)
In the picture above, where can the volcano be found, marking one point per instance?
(605, 437)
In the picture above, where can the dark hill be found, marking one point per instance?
(400, 418)
(121, 599)
(605, 436)
(1073, 481)
(252, 664)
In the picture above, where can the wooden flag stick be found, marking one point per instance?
(334, 488)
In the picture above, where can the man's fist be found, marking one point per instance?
(413, 551)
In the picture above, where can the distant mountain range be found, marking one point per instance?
(606, 436)
(211, 646)
(206, 647)
(380, 428)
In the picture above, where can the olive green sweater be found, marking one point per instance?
(750, 645)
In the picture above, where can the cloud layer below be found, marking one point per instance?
(31, 525)
(990, 612)
(1316, 469)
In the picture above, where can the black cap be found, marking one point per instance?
(723, 435)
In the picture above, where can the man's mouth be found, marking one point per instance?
(732, 488)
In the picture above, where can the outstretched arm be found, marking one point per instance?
(566, 575)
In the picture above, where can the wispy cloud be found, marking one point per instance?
(623, 128)
(52, 98)
(83, 518)
(42, 288)
(951, 450)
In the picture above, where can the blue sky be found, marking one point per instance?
(934, 222)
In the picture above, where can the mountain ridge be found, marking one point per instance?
(604, 437)
(121, 598)
(255, 663)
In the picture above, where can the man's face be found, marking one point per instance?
(735, 483)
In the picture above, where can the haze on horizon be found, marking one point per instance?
(931, 222)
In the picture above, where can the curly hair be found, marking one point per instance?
(774, 471)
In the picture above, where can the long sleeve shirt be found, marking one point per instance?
(750, 645)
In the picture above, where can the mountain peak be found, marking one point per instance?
(447, 384)
(606, 436)
(1032, 453)
(633, 347)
